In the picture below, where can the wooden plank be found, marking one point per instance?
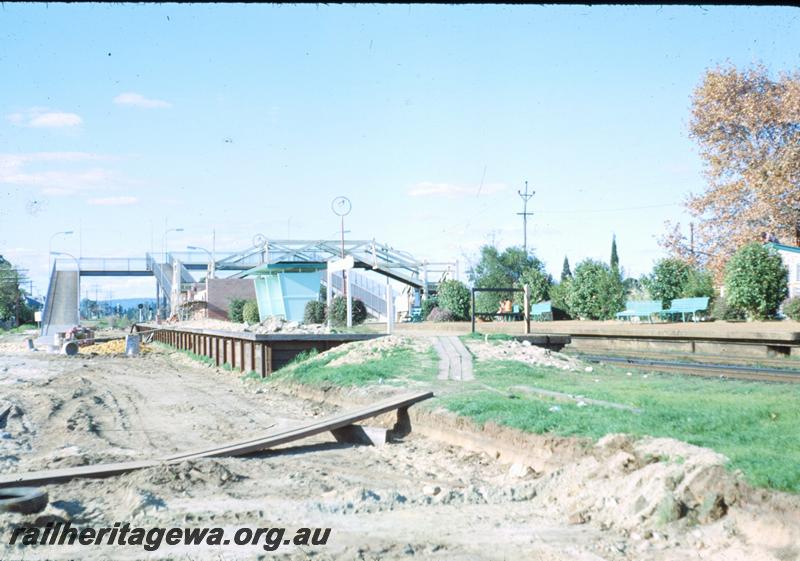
(44, 477)
(269, 440)
(263, 370)
(327, 424)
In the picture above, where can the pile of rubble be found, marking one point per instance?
(523, 352)
(269, 325)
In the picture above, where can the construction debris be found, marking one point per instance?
(113, 347)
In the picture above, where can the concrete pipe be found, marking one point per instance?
(70, 348)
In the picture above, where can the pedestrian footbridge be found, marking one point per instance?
(172, 270)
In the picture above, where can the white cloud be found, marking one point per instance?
(56, 119)
(14, 171)
(40, 117)
(430, 189)
(138, 100)
(114, 201)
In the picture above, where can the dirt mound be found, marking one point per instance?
(523, 352)
(364, 351)
(633, 484)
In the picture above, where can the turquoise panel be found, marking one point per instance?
(298, 290)
(286, 294)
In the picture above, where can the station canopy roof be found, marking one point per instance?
(293, 267)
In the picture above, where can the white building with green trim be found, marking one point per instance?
(791, 258)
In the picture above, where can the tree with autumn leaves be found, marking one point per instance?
(747, 126)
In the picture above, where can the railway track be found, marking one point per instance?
(711, 370)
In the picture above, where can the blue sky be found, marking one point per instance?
(251, 118)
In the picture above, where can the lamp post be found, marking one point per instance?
(50, 245)
(78, 282)
(166, 247)
(341, 206)
(211, 264)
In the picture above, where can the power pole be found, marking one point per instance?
(525, 214)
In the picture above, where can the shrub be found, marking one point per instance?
(756, 281)
(722, 311)
(596, 291)
(791, 308)
(235, 306)
(314, 312)
(338, 311)
(440, 314)
(250, 312)
(454, 297)
(429, 304)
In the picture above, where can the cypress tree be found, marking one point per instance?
(565, 271)
(614, 256)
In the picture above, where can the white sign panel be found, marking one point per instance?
(342, 264)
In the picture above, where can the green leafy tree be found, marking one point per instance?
(668, 280)
(614, 257)
(539, 283)
(497, 269)
(596, 291)
(12, 302)
(756, 281)
(700, 283)
(559, 294)
(454, 296)
(566, 273)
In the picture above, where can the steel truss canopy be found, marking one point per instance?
(367, 254)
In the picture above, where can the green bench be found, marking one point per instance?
(685, 306)
(543, 311)
(641, 309)
(415, 314)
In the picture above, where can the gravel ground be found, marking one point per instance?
(418, 498)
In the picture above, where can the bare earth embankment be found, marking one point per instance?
(419, 498)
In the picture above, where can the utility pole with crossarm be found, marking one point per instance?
(525, 214)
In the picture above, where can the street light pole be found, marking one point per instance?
(166, 247)
(341, 206)
(50, 246)
(211, 264)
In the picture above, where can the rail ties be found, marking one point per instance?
(755, 373)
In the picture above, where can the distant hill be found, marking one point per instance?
(129, 302)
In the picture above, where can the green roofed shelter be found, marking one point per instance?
(284, 289)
